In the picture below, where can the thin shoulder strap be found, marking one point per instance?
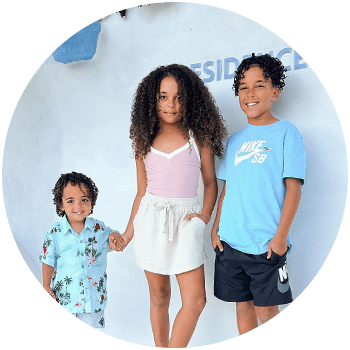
(194, 144)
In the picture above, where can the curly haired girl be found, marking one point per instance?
(176, 129)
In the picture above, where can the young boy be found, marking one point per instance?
(263, 169)
(75, 250)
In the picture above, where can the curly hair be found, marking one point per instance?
(199, 113)
(74, 179)
(272, 68)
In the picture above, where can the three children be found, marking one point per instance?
(176, 130)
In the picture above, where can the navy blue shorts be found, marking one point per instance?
(243, 277)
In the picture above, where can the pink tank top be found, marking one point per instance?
(175, 174)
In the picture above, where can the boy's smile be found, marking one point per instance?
(76, 203)
(256, 95)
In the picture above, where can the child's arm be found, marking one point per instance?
(47, 271)
(141, 190)
(210, 185)
(290, 205)
(215, 239)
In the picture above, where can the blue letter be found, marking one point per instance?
(208, 71)
(281, 53)
(297, 58)
(218, 70)
(227, 67)
(194, 66)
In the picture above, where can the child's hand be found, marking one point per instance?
(204, 219)
(116, 241)
(216, 242)
(278, 246)
(127, 238)
(50, 291)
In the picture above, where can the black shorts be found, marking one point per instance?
(242, 277)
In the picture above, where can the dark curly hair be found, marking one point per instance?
(74, 179)
(272, 68)
(199, 113)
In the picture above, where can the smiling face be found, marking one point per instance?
(169, 101)
(76, 203)
(256, 95)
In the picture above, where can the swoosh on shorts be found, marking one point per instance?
(283, 288)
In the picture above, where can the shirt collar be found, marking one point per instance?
(65, 226)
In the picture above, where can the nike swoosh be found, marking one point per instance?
(246, 156)
(283, 288)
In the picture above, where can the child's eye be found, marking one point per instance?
(162, 97)
(70, 201)
(242, 88)
(85, 200)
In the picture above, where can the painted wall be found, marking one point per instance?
(76, 117)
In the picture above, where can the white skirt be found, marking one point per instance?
(164, 242)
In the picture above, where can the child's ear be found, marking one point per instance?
(275, 94)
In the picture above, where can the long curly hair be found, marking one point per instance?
(199, 113)
(272, 68)
(74, 179)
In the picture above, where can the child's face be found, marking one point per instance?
(169, 101)
(256, 95)
(76, 203)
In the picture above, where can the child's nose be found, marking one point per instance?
(171, 102)
(251, 92)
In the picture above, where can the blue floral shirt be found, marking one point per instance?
(79, 262)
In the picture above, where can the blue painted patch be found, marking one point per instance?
(80, 46)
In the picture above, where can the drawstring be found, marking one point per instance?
(167, 214)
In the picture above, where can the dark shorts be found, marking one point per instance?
(242, 277)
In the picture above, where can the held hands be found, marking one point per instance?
(119, 242)
(116, 242)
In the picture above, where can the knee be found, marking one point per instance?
(200, 303)
(197, 304)
(266, 313)
(160, 297)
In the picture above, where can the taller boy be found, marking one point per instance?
(263, 169)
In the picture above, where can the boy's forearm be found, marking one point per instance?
(47, 274)
(290, 207)
(215, 227)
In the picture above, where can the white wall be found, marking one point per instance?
(76, 117)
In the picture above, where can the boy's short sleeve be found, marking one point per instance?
(47, 255)
(294, 156)
(223, 166)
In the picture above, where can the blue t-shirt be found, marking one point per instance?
(256, 160)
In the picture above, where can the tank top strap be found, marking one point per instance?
(194, 145)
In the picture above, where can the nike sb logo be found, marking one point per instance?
(282, 280)
(254, 150)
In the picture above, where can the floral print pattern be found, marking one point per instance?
(79, 260)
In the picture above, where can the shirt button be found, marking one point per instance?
(82, 254)
(81, 241)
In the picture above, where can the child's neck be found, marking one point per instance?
(263, 121)
(166, 128)
(77, 226)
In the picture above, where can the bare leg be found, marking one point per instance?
(246, 316)
(265, 313)
(192, 289)
(160, 291)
